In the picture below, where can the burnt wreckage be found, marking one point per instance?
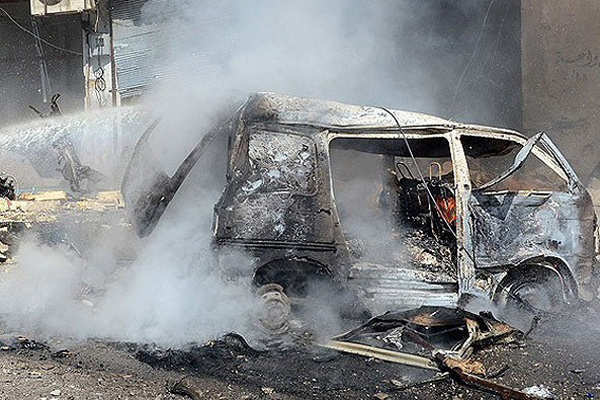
(402, 208)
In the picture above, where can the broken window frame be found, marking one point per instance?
(387, 136)
(518, 162)
(251, 164)
(465, 267)
(412, 134)
(548, 155)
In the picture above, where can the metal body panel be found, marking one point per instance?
(138, 48)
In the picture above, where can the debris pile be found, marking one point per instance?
(433, 338)
(54, 217)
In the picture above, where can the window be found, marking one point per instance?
(383, 205)
(488, 158)
(281, 163)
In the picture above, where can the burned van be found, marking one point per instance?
(402, 208)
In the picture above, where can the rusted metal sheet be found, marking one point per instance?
(382, 354)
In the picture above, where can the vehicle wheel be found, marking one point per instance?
(276, 312)
(534, 290)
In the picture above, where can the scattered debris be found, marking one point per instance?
(64, 353)
(56, 218)
(267, 390)
(8, 187)
(467, 366)
(184, 388)
(54, 108)
(382, 354)
(534, 323)
(577, 371)
(435, 338)
(82, 179)
(381, 396)
(506, 392)
(22, 342)
(438, 378)
(428, 332)
(48, 195)
(540, 392)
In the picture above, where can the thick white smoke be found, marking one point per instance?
(339, 50)
(346, 50)
(172, 294)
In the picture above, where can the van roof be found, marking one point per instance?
(293, 110)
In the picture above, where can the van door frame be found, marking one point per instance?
(465, 267)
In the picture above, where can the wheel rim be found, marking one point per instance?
(543, 296)
(276, 311)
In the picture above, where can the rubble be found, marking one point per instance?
(540, 392)
(431, 333)
(440, 339)
(184, 388)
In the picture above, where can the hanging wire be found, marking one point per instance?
(47, 43)
(422, 178)
(515, 296)
(45, 78)
(477, 43)
(100, 82)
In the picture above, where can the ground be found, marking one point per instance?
(561, 354)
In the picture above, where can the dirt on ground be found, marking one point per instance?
(560, 355)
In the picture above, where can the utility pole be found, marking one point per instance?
(98, 60)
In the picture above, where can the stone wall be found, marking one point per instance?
(561, 77)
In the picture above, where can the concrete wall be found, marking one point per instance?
(561, 77)
(20, 80)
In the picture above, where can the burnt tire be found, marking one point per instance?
(531, 289)
(276, 309)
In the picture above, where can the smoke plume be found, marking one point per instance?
(352, 51)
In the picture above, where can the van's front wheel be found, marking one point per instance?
(534, 289)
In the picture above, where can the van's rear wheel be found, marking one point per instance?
(534, 289)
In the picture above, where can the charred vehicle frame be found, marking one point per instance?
(503, 243)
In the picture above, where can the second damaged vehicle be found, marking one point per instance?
(401, 208)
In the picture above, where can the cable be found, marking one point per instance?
(412, 156)
(462, 76)
(47, 43)
(492, 54)
(100, 82)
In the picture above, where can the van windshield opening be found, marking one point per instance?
(488, 158)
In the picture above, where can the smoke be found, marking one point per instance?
(352, 51)
(171, 295)
(439, 57)
(27, 149)
(339, 50)
(360, 187)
